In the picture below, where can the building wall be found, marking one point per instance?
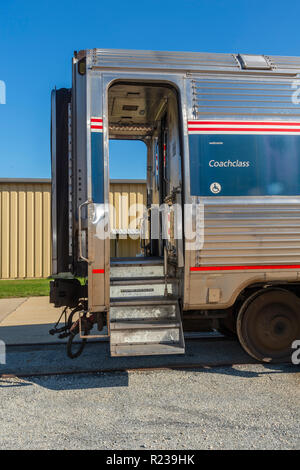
(25, 225)
(128, 199)
(24, 229)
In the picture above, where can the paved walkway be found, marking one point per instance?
(27, 320)
(7, 306)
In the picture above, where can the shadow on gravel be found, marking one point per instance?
(40, 363)
(9, 384)
(85, 381)
(80, 381)
(269, 369)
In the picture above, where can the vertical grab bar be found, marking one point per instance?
(89, 201)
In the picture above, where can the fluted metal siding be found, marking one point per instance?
(115, 58)
(263, 98)
(181, 61)
(251, 232)
(284, 62)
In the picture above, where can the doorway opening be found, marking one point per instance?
(128, 195)
(144, 112)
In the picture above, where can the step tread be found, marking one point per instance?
(139, 261)
(151, 300)
(142, 325)
(120, 281)
(147, 349)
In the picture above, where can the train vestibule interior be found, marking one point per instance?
(148, 112)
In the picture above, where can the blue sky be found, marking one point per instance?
(37, 40)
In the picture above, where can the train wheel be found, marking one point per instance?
(267, 324)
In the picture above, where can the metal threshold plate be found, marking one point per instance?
(138, 261)
(146, 349)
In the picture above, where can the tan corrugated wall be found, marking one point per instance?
(122, 196)
(25, 226)
(25, 242)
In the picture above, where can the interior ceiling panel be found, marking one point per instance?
(132, 107)
(135, 105)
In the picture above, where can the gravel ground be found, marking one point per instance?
(241, 407)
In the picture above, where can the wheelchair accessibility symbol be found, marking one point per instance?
(215, 188)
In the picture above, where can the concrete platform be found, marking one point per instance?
(8, 306)
(27, 320)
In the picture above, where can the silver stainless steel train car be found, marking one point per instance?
(221, 245)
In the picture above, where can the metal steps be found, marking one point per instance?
(136, 267)
(140, 325)
(151, 349)
(141, 311)
(144, 317)
(121, 281)
(142, 286)
(136, 301)
(137, 261)
(145, 328)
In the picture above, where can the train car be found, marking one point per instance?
(220, 230)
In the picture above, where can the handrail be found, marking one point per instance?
(87, 202)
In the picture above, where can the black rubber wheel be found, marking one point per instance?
(267, 324)
(74, 349)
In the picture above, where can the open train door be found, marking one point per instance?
(91, 183)
(145, 311)
(97, 200)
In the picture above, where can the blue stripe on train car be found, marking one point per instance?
(244, 165)
(97, 167)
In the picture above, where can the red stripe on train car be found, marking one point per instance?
(248, 123)
(233, 268)
(234, 129)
